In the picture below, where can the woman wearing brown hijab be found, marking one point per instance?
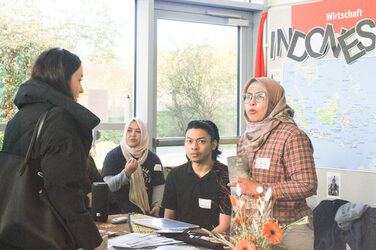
(280, 157)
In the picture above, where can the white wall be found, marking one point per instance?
(357, 187)
(275, 3)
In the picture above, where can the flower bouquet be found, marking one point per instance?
(253, 226)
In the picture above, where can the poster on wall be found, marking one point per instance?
(329, 60)
(333, 184)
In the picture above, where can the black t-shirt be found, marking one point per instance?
(198, 200)
(115, 162)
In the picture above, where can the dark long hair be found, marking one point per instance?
(55, 67)
(211, 129)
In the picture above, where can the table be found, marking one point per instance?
(109, 230)
(106, 228)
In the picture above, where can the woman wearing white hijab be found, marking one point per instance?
(134, 173)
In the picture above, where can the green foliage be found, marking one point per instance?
(28, 27)
(200, 85)
(110, 135)
(190, 83)
(15, 67)
(1, 139)
(165, 127)
(226, 120)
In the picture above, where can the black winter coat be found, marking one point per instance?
(62, 148)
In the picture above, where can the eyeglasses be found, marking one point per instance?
(259, 97)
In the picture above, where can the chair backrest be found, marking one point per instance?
(166, 170)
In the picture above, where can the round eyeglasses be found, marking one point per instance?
(259, 97)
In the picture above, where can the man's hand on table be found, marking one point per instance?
(155, 211)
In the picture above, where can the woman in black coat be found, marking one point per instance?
(64, 142)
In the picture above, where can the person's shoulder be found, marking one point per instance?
(60, 119)
(113, 162)
(290, 133)
(60, 122)
(181, 169)
(115, 152)
(219, 166)
(221, 171)
(59, 114)
(176, 174)
(290, 129)
(114, 155)
(242, 141)
(153, 157)
(242, 137)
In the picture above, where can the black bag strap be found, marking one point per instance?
(44, 198)
(36, 132)
(42, 193)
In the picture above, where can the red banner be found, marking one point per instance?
(260, 66)
(340, 13)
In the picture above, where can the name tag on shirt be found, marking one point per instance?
(263, 163)
(204, 203)
(157, 167)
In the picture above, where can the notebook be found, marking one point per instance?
(162, 223)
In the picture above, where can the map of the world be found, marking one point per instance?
(335, 104)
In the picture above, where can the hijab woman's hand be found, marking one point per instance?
(248, 186)
(155, 211)
(130, 167)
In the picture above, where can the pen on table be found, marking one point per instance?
(130, 222)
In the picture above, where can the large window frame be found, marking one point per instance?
(245, 16)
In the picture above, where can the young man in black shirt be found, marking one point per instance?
(196, 192)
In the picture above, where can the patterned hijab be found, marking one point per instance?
(278, 112)
(137, 189)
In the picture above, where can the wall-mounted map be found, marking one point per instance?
(335, 104)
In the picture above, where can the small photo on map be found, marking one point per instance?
(333, 181)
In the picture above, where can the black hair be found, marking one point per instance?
(55, 67)
(211, 129)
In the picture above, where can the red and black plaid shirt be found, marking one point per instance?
(291, 173)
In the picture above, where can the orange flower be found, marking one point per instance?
(241, 220)
(245, 245)
(272, 232)
(233, 200)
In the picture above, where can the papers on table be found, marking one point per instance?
(163, 223)
(136, 240)
(175, 247)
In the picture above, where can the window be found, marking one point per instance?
(100, 32)
(202, 84)
(200, 53)
(197, 76)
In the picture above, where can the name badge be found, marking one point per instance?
(204, 203)
(157, 167)
(263, 163)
